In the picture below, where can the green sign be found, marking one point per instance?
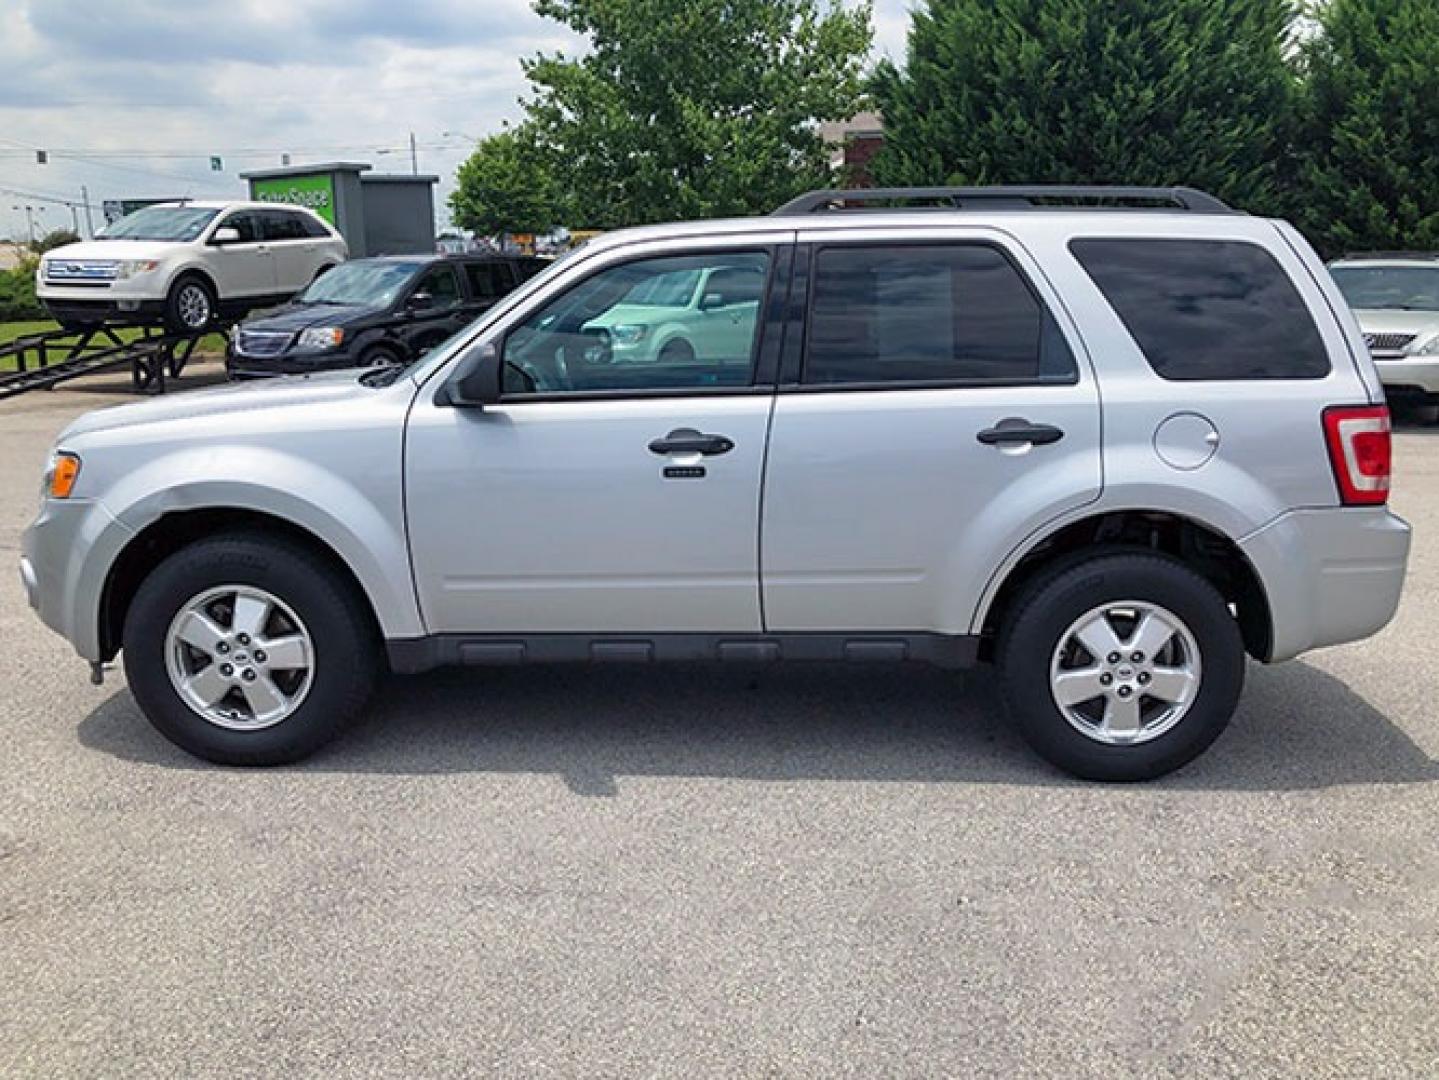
(315, 192)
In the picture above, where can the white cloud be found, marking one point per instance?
(249, 79)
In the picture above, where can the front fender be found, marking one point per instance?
(364, 526)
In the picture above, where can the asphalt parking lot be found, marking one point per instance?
(810, 871)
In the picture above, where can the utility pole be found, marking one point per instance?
(75, 218)
(89, 219)
(414, 159)
(29, 220)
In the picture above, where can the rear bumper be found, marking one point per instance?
(1330, 575)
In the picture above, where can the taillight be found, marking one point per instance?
(1359, 451)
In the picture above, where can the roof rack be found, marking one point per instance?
(1005, 197)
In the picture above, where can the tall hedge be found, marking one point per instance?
(1370, 145)
(1191, 92)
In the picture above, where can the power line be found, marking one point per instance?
(229, 151)
(95, 103)
(49, 197)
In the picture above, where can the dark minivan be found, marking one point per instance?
(373, 313)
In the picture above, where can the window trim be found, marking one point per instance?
(768, 330)
(800, 363)
(1149, 366)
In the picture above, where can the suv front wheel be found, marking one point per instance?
(1121, 667)
(189, 306)
(248, 650)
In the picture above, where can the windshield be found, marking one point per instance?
(360, 284)
(1399, 288)
(664, 290)
(161, 223)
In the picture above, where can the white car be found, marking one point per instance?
(188, 263)
(1395, 297)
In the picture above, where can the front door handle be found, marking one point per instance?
(690, 441)
(1017, 430)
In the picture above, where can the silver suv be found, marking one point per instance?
(1110, 440)
(1395, 297)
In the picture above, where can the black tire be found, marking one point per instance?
(678, 351)
(1048, 606)
(346, 650)
(189, 295)
(381, 356)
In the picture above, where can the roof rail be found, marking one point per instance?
(1390, 255)
(1007, 197)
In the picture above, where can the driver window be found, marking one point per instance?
(441, 284)
(244, 223)
(646, 325)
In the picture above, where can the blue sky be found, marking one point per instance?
(168, 83)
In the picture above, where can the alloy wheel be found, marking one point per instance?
(239, 657)
(1125, 672)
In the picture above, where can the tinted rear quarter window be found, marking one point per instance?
(928, 313)
(1207, 309)
(488, 280)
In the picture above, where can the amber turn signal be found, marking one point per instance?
(64, 475)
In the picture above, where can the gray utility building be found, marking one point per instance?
(377, 214)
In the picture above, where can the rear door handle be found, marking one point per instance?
(690, 441)
(1017, 430)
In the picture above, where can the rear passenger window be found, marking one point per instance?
(488, 280)
(281, 225)
(1207, 309)
(929, 313)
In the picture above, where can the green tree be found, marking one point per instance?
(1160, 92)
(1370, 163)
(17, 293)
(694, 108)
(505, 186)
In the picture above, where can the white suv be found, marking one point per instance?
(187, 264)
(1395, 297)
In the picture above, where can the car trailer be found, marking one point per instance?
(45, 360)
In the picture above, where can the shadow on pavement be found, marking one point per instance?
(1298, 728)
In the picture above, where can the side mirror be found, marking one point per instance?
(711, 300)
(420, 301)
(476, 381)
(225, 234)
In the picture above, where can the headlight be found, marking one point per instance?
(1429, 348)
(130, 267)
(629, 334)
(60, 475)
(322, 337)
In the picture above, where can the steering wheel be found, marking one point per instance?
(600, 347)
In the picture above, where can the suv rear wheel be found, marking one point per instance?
(248, 651)
(189, 306)
(1121, 667)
